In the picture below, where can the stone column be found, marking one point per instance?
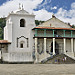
(45, 46)
(53, 33)
(53, 46)
(72, 45)
(36, 53)
(64, 45)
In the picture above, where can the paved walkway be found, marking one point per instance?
(37, 69)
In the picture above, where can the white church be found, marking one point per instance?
(26, 42)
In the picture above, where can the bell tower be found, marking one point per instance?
(18, 31)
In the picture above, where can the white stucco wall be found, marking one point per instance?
(12, 31)
(18, 31)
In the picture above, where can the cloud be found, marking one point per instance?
(62, 14)
(13, 5)
(53, 7)
(43, 15)
(73, 5)
(44, 4)
(67, 16)
(29, 5)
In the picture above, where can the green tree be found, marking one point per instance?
(73, 26)
(1, 33)
(38, 22)
(2, 25)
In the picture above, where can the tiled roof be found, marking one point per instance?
(4, 41)
(53, 28)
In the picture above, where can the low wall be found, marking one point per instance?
(17, 57)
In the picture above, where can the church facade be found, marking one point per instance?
(26, 42)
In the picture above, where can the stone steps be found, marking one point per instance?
(60, 59)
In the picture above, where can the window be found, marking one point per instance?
(22, 23)
(21, 45)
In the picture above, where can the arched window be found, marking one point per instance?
(22, 44)
(22, 23)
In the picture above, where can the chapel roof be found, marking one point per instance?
(4, 42)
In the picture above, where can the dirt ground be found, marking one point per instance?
(37, 69)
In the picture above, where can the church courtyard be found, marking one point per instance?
(37, 69)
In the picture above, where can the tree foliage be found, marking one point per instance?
(73, 26)
(2, 25)
(38, 22)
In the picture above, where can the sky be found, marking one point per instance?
(43, 9)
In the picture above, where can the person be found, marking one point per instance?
(58, 61)
(33, 54)
(65, 58)
(55, 61)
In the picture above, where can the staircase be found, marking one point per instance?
(58, 59)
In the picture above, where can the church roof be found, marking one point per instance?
(4, 42)
(54, 28)
(54, 23)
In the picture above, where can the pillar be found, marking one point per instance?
(64, 33)
(64, 45)
(36, 32)
(53, 33)
(36, 53)
(71, 34)
(45, 46)
(44, 32)
(72, 45)
(53, 46)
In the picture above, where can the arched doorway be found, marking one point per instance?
(56, 47)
